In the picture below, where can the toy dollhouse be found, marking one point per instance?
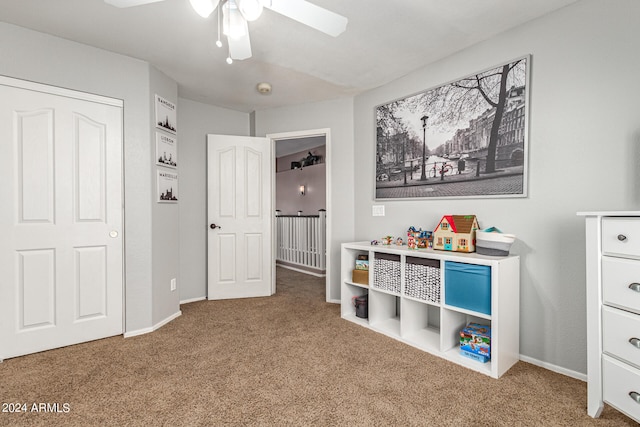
(456, 233)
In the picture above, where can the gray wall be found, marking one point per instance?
(583, 155)
(337, 115)
(45, 59)
(288, 182)
(165, 221)
(195, 121)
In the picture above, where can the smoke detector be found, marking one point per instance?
(264, 88)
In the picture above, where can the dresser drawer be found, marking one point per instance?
(619, 380)
(621, 334)
(621, 237)
(618, 274)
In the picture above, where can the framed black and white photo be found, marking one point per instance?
(166, 151)
(466, 138)
(166, 115)
(167, 187)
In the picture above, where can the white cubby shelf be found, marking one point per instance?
(429, 324)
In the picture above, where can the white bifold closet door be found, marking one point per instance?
(61, 252)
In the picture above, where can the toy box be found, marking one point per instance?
(477, 357)
(468, 286)
(476, 339)
(360, 276)
(494, 242)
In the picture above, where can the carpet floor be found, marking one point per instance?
(284, 360)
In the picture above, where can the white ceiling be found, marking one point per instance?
(384, 40)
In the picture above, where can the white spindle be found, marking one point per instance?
(301, 239)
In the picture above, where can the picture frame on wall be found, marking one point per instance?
(464, 139)
(166, 115)
(167, 187)
(166, 150)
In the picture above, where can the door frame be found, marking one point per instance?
(274, 137)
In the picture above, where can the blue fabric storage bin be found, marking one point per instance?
(468, 286)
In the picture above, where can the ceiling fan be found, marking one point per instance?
(236, 13)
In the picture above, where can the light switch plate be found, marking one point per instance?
(377, 210)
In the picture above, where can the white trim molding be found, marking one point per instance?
(190, 300)
(554, 368)
(154, 327)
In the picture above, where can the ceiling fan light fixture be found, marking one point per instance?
(234, 25)
(250, 9)
(204, 7)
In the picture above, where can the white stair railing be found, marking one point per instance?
(301, 239)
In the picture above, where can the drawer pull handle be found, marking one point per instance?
(634, 342)
(635, 287)
(635, 396)
(622, 237)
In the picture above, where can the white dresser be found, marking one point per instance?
(613, 311)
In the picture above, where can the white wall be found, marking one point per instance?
(50, 60)
(336, 115)
(195, 121)
(584, 152)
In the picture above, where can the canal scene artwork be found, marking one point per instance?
(466, 138)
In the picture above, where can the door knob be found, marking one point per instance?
(213, 226)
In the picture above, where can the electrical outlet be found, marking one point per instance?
(173, 284)
(377, 210)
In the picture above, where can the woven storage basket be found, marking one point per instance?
(422, 279)
(386, 273)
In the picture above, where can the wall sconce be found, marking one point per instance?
(301, 190)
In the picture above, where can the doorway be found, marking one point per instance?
(303, 190)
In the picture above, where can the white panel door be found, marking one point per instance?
(61, 220)
(240, 217)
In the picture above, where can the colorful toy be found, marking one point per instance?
(456, 233)
(423, 238)
(411, 242)
(476, 339)
(374, 242)
(399, 241)
(386, 240)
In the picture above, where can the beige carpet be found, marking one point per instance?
(282, 360)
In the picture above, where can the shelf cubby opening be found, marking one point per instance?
(384, 312)
(348, 308)
(421, 324)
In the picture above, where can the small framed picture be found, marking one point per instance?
(166, 152)
(166, 115)
(167, 187)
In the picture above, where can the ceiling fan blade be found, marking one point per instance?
(239, 47)
(309, 14)
(129, 3)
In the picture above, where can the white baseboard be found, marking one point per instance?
(554, 368)
(335, 301)
(187, 301)
(154, 327)
(300, 270)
